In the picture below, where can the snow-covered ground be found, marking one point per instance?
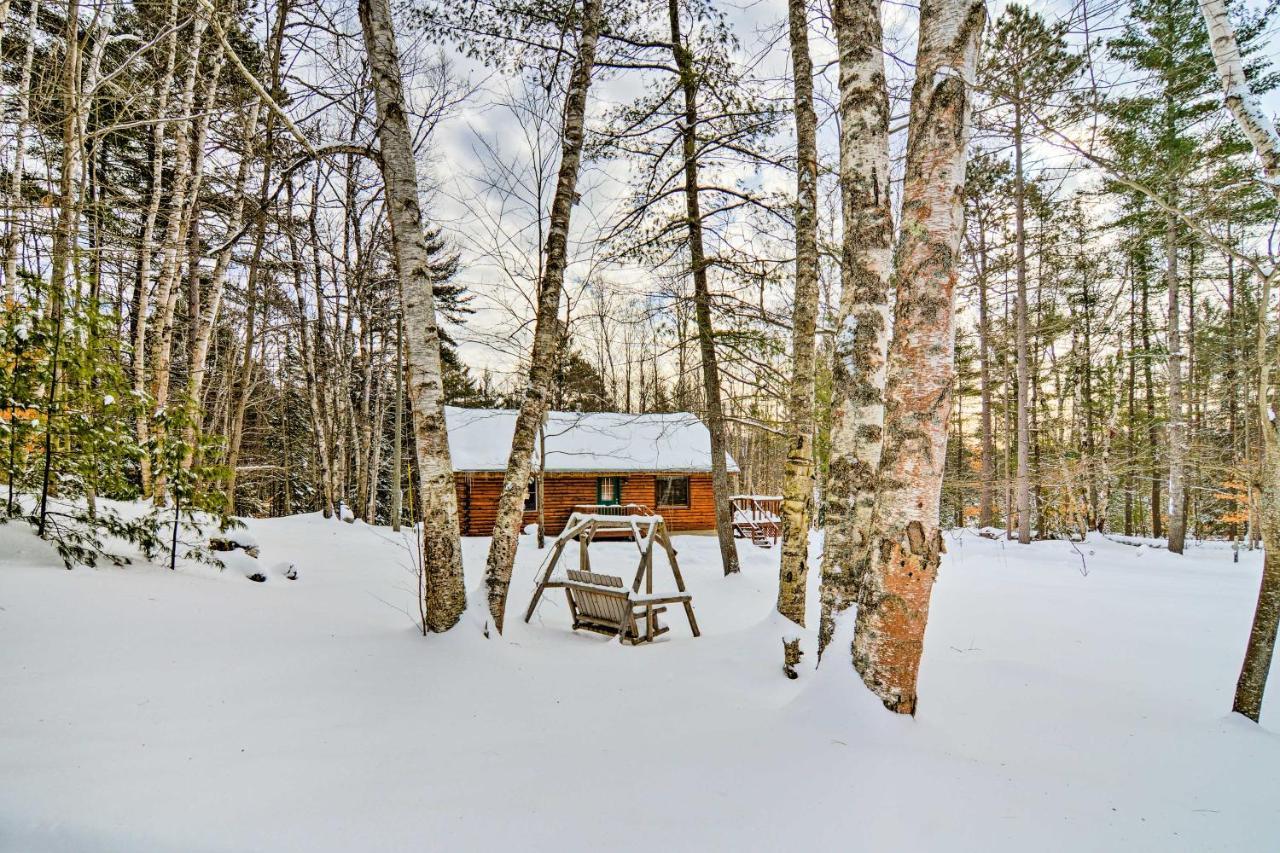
(196, 711)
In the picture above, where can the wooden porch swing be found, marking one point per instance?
(599, 602)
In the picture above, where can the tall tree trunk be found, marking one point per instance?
(1023, 486)
(206, 316)
(894, 597)
(23, 98)
(187, 162)
(1262, 135)
(702, 297)
(242, 388)
(986, 497)
(1177, 424)
(797, 481)
(315, 402)
(1131, 431)
(146, 249)
(397, 461)
(547, 334)
(1153, 430)
(1095, 514)
(862, 327)
(444, 594)
(1252, 683)
(64, 236)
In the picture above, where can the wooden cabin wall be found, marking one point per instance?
(478, 499)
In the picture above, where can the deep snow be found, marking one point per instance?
(195, 711)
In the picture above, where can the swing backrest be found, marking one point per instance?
(611, 608)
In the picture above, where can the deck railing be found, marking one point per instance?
(619, 510)
(757, 517)
(612, 509)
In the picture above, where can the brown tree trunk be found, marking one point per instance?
(1020, 238)
(1252, 683)
(1262, 135)
(444, 593)
(397, 432)
(986, 497)
(1153, 431)
(315, 403)
(702, 298)
(862, 327)
(1177, 424)
(894, 598)
(546, 336)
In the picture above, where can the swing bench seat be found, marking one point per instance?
(601, 603)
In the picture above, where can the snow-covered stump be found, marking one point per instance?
(235, 540)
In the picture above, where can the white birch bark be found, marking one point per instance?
(203, 333)
(146, 248)
(444, 596)
(797, 482)
(893, 600)
(863, 323)
(167, 290)
(1244, 106)
(21, 119)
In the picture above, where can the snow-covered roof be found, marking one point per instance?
(480, 440)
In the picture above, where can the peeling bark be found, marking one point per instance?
(894, 597)
(862, 326)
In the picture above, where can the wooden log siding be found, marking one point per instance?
(478, 499)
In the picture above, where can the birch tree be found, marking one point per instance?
(547, 334)
(444, 595)
(797, 484)
(893, 600)
(21, 119)
(863, 321)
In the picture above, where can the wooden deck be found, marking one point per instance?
(757, 517)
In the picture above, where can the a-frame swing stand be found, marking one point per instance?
(599, 602)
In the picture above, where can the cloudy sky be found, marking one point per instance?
(482, 156)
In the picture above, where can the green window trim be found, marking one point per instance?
(616, 483)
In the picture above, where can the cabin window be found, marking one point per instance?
(608, 491)
(673, 491)
(531, 496)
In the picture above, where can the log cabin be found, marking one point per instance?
(603, 462)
